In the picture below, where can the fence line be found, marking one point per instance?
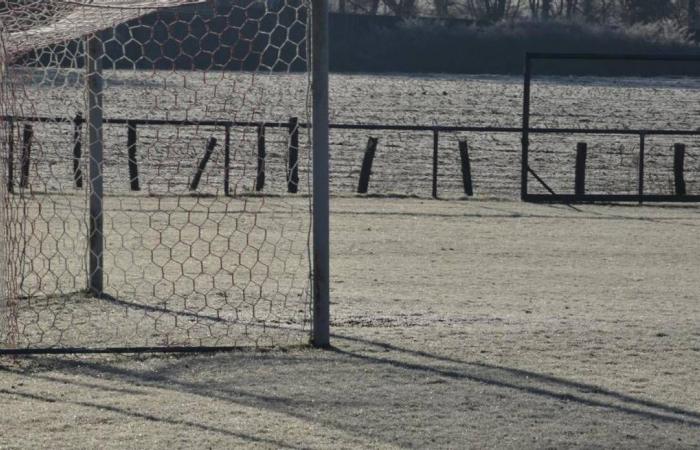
(349, 126)
(293, 125)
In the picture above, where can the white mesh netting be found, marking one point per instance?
(181, 145)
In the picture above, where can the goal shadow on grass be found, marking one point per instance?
(147, 417)
(310, 386)
(691, 417)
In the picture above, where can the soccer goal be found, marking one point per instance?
(164, 175)
(642, 158)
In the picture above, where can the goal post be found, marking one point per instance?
(94, 93)
(321, 178)
(188, 233)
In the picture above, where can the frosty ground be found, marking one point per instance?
(168, 155)
(456, 324)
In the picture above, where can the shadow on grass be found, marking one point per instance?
(160, 309)
(308, 386)
(148, 417)
(686, 416)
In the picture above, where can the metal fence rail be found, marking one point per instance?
(293, 126)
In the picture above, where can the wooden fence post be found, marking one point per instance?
(640, 167)
(435, 162)
(203, 164)
(580, 176)
(11, 157)
(466, 168)
(26, 155)
(262, 153)
(367, 161)
(679, 168)
(293, 157)
(227, 160)
(77, 151)
(131, 149)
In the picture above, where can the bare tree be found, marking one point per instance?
(587, 10)
(546, 11)
(692, 15)
(568, 8)
(370, 7)
(491, 10)
(534, 7)
(634, 11)
(540, 8)
(402, 8)
(441, 8)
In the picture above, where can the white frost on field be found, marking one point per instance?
(456, 325)
(403, 162)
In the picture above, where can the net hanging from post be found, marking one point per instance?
(158, 147)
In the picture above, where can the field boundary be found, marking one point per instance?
(580, 196)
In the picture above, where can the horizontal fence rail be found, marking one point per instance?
(367, 126)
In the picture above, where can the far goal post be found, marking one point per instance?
(630, 162)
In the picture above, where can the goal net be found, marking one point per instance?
(155, 174)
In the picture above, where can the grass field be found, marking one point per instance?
(168, 155)
(456, 325)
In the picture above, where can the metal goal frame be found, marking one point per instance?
(553, 197)
(317, 35)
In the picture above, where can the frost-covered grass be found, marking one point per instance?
(455, 325)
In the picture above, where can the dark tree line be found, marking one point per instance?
(623, 11)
